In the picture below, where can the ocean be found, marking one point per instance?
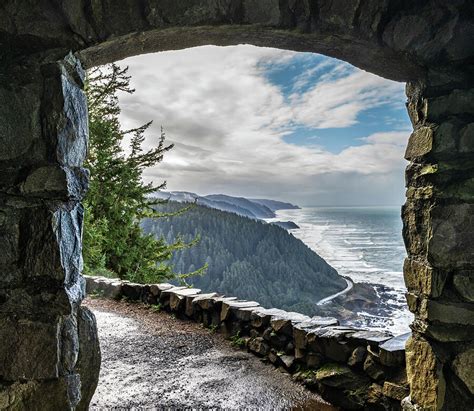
(364, 244)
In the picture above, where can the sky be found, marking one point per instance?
(268, 123)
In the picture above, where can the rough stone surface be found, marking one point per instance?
(44, 131)
(392, 352)
(89, 356)
(43, 127)
(395, 391)
(424, 371)
(463, 366)
(242, 324)
(357, 357)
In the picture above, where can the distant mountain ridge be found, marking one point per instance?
(247, 207)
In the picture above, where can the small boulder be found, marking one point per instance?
(373, 369)
(392, 352)
(340, 376)
(357, 357)
(287, 360)
(259, 346)
(313, 360)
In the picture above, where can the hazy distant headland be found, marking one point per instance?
(247, 207)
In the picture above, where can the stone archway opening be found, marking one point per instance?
(215, 89)
(51, 340)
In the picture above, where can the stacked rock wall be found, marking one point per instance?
(428, 43)
(43, 131)
(439, 235)
(350, 367)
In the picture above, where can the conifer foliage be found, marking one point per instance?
(118, 198)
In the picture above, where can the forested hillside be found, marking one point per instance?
(248, 259)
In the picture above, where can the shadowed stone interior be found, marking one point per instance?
(44, 46)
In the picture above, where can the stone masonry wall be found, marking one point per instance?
(352, 368)
(49, 352)
(439, 235)
(43, 128)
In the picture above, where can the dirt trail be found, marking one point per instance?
(154, 361)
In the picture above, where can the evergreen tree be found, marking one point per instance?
(118, 199)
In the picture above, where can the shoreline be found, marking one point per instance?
(377, 297)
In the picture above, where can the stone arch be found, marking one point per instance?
(52, 346)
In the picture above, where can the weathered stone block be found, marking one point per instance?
(421, 278)
(442, 331)
(340, 376)
(466, 141)
(58, 394)
(29, 350)
(396, 391)
(412, 302)
(132, 291)
(357, 357)
(20, 127)
(57, 182)
(392, 352)
(313, 360)
(230, 308)
(374, 395)
(54, 247)
(463, 366)
(331, 343)
(177, 298)
(452, 229)
(282, 326)
(446, 312)
(259, 319)
(425, 375)
(457, 102)
(66, 114)
(373, 368)
(464, 284)
(416, 226)
(287, 360)
(369, 337)
(420, 143)
(203, 300)
(89, 359)
(10, 246)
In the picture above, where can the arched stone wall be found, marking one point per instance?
(50, 339)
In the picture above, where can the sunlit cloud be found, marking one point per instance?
(229, 121)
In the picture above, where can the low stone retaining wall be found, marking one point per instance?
(352, 368)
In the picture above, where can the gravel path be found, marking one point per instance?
(154, 361)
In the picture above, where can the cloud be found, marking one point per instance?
(228, 122)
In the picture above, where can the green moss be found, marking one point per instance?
(429, 169)
(331, 369)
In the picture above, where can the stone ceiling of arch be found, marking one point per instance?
(392, 38)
